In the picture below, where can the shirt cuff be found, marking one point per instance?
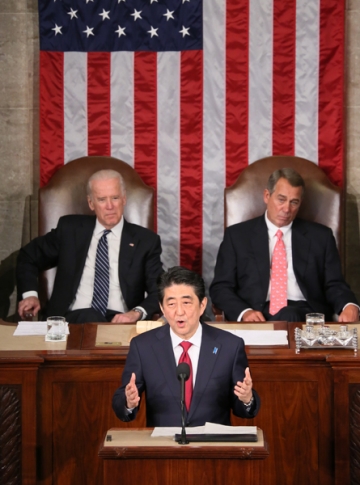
(347, 304)
(249, 405)
(142, 310)
(242, 314)
(27, 294)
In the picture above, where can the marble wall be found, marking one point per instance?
(18, 135)
(19, 117)
(352, 85)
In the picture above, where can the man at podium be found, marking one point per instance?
(219, 381)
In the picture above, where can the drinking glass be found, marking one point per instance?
(56, 328)
(315, 319)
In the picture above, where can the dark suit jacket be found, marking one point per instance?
(242, 271)
(152, 359)
(67, 246)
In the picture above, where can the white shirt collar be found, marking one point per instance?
(116, 230)
(195, 339)
(274, 229)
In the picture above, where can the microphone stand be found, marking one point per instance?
(183, 373)
(183, 440)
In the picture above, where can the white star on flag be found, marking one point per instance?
(120, 31)
(136, 14)
(168, 14)
(72, 14)
(153, 32)
(57, 29)
(88, 31)
(104, 14)
(184, 31)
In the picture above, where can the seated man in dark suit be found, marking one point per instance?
(279, 267)
(106, 267)
(219, 380)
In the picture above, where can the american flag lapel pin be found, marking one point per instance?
(215, 350)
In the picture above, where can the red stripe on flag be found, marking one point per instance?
(98, 101)
(145, 118)
(191, 168)
(237, 88)
(331, 89)
(51, 114)
(284, 57)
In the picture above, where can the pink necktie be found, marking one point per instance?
(184, 357)
(278, 291)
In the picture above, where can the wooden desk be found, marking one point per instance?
(61, 407)
(134, 457)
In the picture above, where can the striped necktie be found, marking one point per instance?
(102, 276)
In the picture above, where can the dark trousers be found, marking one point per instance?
(88, 315)
(295, 312)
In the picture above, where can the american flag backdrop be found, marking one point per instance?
(189, 92)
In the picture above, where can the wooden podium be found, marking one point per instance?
(133, 456)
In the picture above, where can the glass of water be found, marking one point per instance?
(56, 328)
(315, 319)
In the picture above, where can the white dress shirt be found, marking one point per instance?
(293, 289)
(193, 352)
(84, 294)
(85, 290)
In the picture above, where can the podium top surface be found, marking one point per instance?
(128, 443)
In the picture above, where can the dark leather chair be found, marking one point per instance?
(66, 194)
(322, 202)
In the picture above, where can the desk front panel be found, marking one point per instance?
(75, 409)
(307, 402)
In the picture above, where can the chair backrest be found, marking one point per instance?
(66, 194)
(322, 202)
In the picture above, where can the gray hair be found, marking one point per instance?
(105, 175)
(289, 174)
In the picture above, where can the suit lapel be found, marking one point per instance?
(300, 252)
(164, 354)
(83, 236)
(260, 246)
(209, 351)
(128, 246)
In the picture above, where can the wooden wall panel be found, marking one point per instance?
(296, 417)
(10, 435)
(18, 400)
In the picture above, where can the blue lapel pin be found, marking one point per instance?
(215, 350)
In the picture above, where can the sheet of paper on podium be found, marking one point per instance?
(261, 337)
(33, 328)
(207, 429)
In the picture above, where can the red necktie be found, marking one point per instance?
(278, 291)
(184, 357)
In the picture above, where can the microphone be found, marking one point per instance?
(183, 374)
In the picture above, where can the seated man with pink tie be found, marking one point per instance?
(220, 380)
(279, 267)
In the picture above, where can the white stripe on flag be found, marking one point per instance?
(307, 77)
(75, 105)
(168, 159)
(122, 106)
(214, 162)
(260, 78)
